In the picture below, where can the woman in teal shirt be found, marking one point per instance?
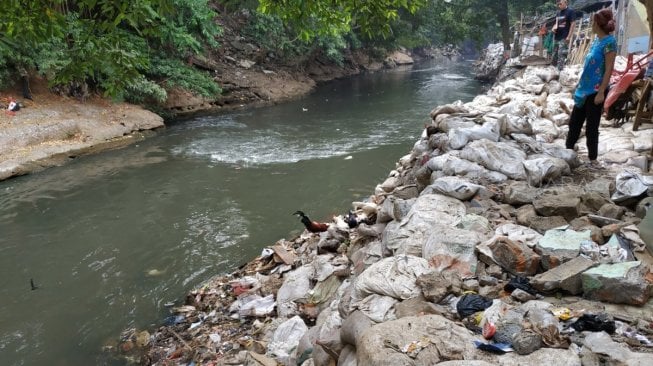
(593, 85)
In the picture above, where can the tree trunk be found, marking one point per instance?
(504, 22)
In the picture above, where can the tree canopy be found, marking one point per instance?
(136, 49)
(330, 17)
(112, 45)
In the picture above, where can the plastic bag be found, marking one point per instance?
(472, 303)
(594, 323)
(521, 283)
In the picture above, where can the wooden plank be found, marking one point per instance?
(642, 104)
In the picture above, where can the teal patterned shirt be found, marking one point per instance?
(594, 68)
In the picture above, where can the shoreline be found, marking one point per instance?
(321, 298)
(51, 130)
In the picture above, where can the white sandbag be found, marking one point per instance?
(283, 346)
(392, 276)
(543, 126)
(560, 152)
(643, 143)
(378, 308)
(459, 137)
(545, 169)
(452, 248)
(454, 122)
(517, 124)
(453, 108)
(498, 156)
(255, 305)
(450, 164)
(421, 147)
(630, 184)
(296, 285)
(408, 235)
(455, 187)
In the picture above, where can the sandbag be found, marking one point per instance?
(392, 276)
(498, 156)
(545, 169)
(455, 187)
(630, 184)
(285, 340)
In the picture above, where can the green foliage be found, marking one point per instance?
(175, 73)
(106, 44)
(269, 32)
(312, 18)
(142, 90)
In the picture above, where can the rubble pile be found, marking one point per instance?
(489, 242)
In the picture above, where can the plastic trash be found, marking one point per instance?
(242, 285)
(521, 283)
(626, 330)
(562, 313)
(472, 303)
(266, 253)
(173, 320)
(258, 306)
(594, 323)
(488, 330)
(590, 249)
(498, 348)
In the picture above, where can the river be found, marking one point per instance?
(110, 239)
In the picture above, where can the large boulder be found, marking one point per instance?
(618, 283)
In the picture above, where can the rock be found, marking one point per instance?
(640, 210)
(435, 286)
(514, 257)
(406, 192)
(619, 283)
(525, 215)
(527, 342)
(382, 344)
(246, 64)
(565, 205)
(608, 352)
(559, 246)
(542, 224)
(353, 327)
(565, 277)
(612, 211)
(471, 285)
(399, 58)
(603, 186)
(594, 200)
(521, 295)
(487, 281)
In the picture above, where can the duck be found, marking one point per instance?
(312, 226)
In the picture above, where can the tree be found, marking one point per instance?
(109, 45)
(336, 17)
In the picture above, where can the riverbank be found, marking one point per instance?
(488, 202)
(51, 129)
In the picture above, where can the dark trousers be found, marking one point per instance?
(592, 113)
